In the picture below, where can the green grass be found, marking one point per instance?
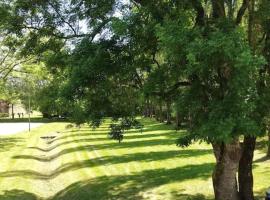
(83, 164)
(33, 120)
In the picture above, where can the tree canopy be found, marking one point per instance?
(203, 64)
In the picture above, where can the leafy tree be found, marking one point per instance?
(200, 58)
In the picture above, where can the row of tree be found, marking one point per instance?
(200, 63)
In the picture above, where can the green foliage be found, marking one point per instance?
(204, 68)
(117, 131)
(98, 72)
(4, 115)
(49, 103)
(187, 57)
(186, 140)
(223, 98)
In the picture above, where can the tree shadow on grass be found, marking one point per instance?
(78, 133)
(17, 195)
(262, 145)
(259, 195)
(108, 146)
(169, 135)
(262, 159)
(149, 126)
(160, 176)
(33, 120)
(130, 187)
(102, 161)
(133, 140)
(53, 147)
(138, 157)
(6, 143)
(130, 142)
(180, 195)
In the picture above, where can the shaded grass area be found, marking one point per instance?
(131, 186)
(33, 120)
(17, 194)
(84, 164)
(8, 143)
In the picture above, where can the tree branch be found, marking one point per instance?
(63, 19)
(218, 8)
(139, 80)
(5, 57)
(10, 69)
(197, 5)
(91, 36)
(155, 60)
(241, 12)
(172, 89)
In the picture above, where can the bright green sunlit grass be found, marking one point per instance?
(83, 164)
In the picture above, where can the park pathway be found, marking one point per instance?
(14, 128)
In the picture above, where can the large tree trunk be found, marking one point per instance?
(245, 176)
(156, 113)
(224, 175)
(160, 112)
(268, 146)
(168, 110)
(147, 108)
(177, 121)
(12, 111)
(152, 112)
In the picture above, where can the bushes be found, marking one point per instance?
(4, 115)
(117, 130)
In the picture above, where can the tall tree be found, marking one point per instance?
(193, 54)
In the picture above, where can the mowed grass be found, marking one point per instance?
(83, 164)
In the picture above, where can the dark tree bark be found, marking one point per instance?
(200, 21)
(152, 109)
(161, 119)
(245, 175)
(147, 108)
(241, 12)
(224, 175)
(268, 146)
(12, 111)
(177, 120)
(218, 8)
(168, 110)
(156, 111)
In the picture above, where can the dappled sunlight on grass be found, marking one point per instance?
(84, 164)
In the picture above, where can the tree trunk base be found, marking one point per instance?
(268, 150)
(224, 175)
(245, 176)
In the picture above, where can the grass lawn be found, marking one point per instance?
(82, 164)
